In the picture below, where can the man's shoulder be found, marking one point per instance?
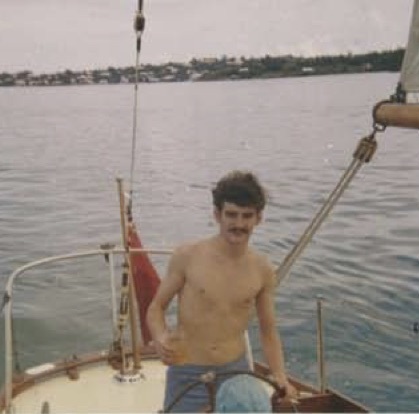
(262, 260)
(190, 248)
(186, 254)
(265, 266)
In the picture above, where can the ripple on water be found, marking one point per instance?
(58, 193)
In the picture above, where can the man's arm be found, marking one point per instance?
(169, 287)
(270, 340)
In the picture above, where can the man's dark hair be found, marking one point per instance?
(241, 188)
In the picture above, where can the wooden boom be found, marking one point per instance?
(397, 115)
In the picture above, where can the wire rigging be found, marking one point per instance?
(139, 25)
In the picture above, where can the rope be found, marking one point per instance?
(123, 305)
(139, 24)
(363, 154)
(127, 306)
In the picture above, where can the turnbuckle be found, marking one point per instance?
(139, 24)
(366, 148)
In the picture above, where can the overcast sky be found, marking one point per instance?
(51, 35)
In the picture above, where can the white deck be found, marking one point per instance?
(96, 391)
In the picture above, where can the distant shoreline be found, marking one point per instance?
(209, 69)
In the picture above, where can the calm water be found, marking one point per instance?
(62, 148)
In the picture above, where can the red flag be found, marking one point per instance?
(146, 281)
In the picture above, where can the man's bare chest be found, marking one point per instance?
(224, 284)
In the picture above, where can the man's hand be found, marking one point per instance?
(290, 393)
(170, 347)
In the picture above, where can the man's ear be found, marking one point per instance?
(259, 217)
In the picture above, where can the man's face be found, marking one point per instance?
(237, 223)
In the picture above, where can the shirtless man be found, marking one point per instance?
(219, 282)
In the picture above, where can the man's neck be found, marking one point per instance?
(233, 251)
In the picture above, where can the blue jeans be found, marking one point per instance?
(178, 377)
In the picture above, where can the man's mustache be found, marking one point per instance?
(238, 230)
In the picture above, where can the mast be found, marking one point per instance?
(402, 109)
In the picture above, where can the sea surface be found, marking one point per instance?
(61, 149)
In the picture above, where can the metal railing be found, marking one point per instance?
(107, 252)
